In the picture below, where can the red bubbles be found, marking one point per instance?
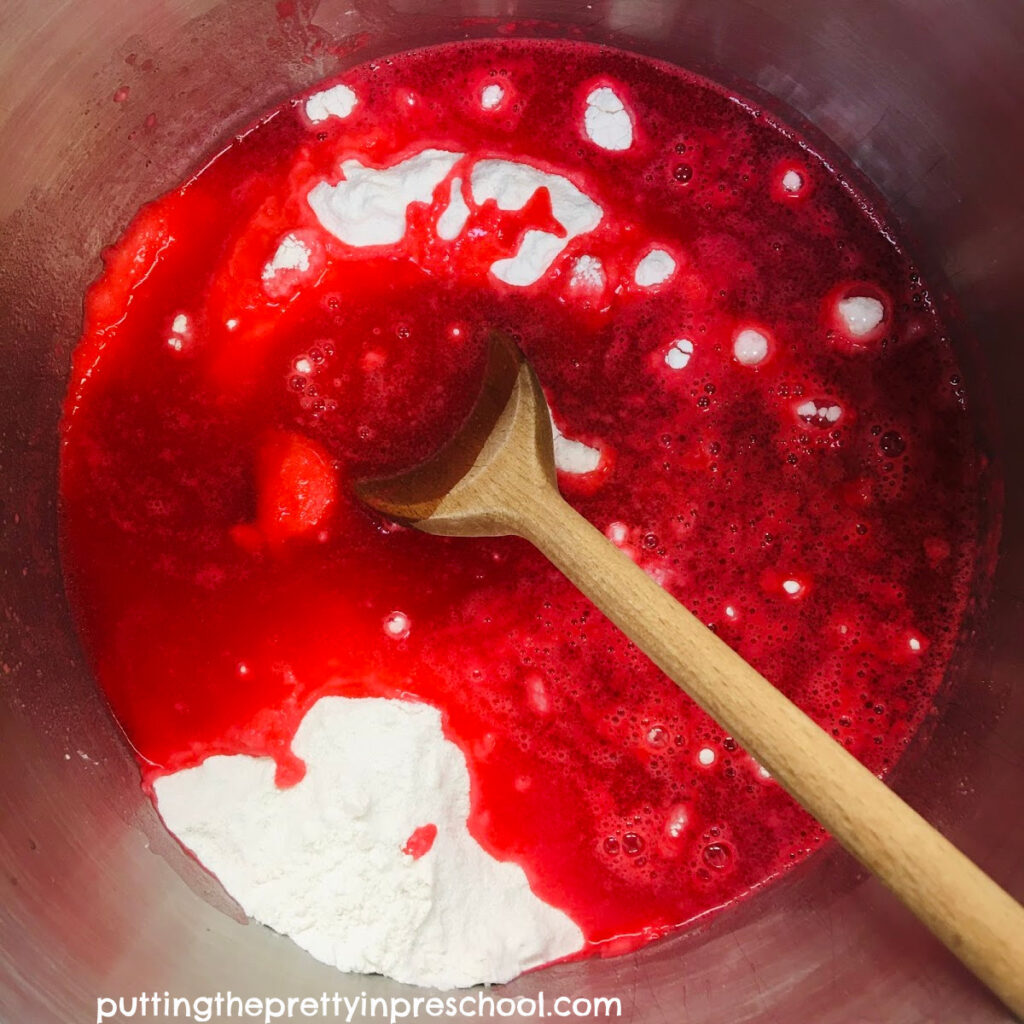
(632, 844)
(717, 856)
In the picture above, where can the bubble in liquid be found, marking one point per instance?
(632, 844)
(717, 856)
(892, 444)
(658, 736)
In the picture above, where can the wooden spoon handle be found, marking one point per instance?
(979, 922)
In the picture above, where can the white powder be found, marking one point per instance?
(750, 347)
(606, 120)
(617, 533)
(323, 861)
(679, 353)
(537, 695)
(706, 756)
(676, 822)
(179, 330)
(537, 251)
(369, 206)
(587, 272)
(397, 625)
(655, 268)
(511, 185)
(792, 181)
(292, 254)
(573, 456)
(491, 96)
(819, 413)
(454, 216)
(338, 101)
(860, 314)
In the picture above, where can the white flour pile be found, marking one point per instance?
(323, 861)
(369, 206)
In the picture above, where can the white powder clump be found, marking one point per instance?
(179, 331)
(820, 414)
(750, 347)
(860, 314)
(338, 101)
(679, 354)
(587, 272)
(537, 251)
(292, 254)
(368, 207)
(792, 181)
(655, 268)
(454, 216)
(511, 185)
(617, 533)
(491, 96)
(573, 456)
(323, 861)
(397, 625)
(606, 120)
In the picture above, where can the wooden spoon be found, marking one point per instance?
(497, 477)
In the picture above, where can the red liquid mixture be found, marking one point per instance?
(225, 578)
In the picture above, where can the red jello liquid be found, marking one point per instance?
(225, 577)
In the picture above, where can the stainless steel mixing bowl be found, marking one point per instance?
(96, 899)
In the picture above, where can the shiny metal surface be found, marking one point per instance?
(94, 896)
